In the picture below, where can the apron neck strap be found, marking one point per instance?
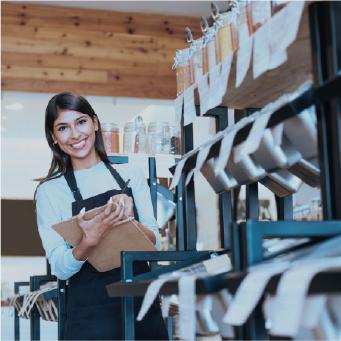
(71, 181)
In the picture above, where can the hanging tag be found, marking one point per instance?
(189, 177)
(178, 108)
(225, 73)
(261, 51)
(177, 173)
(204, 93)
(243, 60)
(250, 291)
(225, 151)
(292, 291)
(251, 144)
(189, 106)
(187, 297)
(215, 98)
(293, 19)
(277, 58)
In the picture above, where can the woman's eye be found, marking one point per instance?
(82, 121)
(61, 128)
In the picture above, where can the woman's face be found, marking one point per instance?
(75, 134)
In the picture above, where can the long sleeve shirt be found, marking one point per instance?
(54, 205)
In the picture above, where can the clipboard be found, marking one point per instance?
(107, 254)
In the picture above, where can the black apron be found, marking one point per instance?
(90, 313)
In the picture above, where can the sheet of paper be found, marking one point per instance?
(292, 291)
(178, 108)
(250, 291)
(189, 106)
(261, 51)
(251, 144)
(295, 11)
(204, 93)
(243, 60)
(177, 173)
(187, 298)
(225, 151)
(225, 73)
(214, 75)
(163, 162)
(140, 161)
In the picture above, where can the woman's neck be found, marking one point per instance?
(90, 161)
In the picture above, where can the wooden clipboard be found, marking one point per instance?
(107, 254)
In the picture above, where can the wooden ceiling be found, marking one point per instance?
(91, 52)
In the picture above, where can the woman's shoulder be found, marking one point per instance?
(128, 170)
(52, 185)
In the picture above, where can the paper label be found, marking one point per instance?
(225, 73)
(178, 108)
(261, 51)
(177, 173)
(251, 144)
(187, 298)
(250, 291)
(204, 93)
(225, 151)
(292, 291)
(277, 58)
(243, 60)
(189, 106)
(150, 296)
(215, 98)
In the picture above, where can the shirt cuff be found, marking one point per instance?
(71, 262)
(157, 240)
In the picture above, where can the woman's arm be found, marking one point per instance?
(59, 253)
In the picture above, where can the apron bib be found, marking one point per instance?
(90, 313)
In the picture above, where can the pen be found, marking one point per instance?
(125, 186)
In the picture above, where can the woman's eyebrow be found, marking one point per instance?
(65, 123)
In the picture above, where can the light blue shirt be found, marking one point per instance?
(54, 205)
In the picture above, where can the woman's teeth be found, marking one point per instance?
(79, 145)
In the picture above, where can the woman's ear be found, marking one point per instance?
(54, 139)
(96, 123)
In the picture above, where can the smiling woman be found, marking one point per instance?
(75, 135)
(81, 178)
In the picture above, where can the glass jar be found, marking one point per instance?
(175, 139)
(129, 134)
(140, 137)
(111, 137)
(158, 137)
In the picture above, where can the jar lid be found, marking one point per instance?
(109, 126)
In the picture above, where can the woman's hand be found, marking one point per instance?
(95, 228)
(126, 202)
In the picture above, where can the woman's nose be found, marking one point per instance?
(75, 133)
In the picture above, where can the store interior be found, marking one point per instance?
(201, 138)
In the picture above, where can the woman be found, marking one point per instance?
(81, 178)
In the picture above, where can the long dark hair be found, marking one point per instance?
(61, 162)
